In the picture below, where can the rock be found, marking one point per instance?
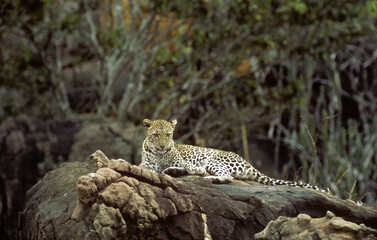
(50, 203)
(109, 173)
(272, 229)
(303, 219)
(109, 223)
(87, 190)
(138, 209)
(181, 201)
(28, 149)
(134, 203)
(341, 225)
(304, 227)
(119, 165)
(100, 158)
(116, 195)
(330, 215)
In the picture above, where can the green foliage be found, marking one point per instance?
(33, 38)
(372, 7)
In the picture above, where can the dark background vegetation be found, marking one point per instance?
(295, 81)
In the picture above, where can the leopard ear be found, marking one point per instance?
(147, 123)
(174, 122)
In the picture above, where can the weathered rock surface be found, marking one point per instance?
(305, 227)
(50, 203)
(117, 200)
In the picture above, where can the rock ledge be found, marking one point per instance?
(112, 199)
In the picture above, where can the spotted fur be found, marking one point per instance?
(162, 155)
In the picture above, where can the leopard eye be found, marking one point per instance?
(155, 135)
(168, 135)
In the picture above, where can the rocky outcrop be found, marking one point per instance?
(117, 200)
(305, 227)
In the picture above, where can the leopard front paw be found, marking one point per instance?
(220, 179)
(197, 171)
(175, 171)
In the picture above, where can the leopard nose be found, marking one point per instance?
(162, 146)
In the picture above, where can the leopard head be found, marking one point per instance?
(160, 135)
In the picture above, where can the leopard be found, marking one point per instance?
(162, 155)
